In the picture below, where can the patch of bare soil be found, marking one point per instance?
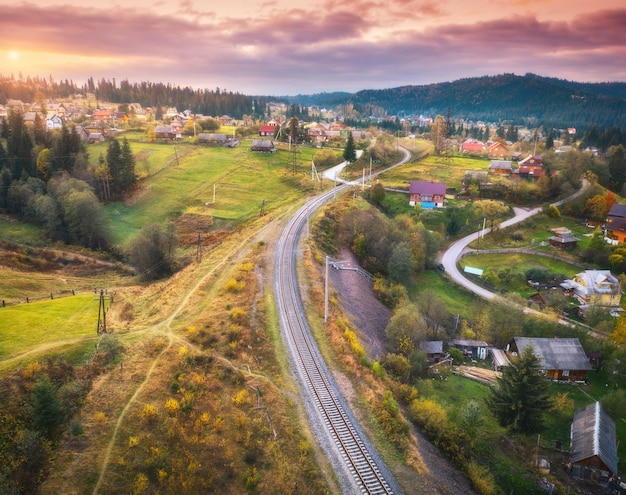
(357, 300)
(436, 475)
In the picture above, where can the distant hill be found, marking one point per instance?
(528, 99)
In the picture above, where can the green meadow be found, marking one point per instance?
(26, 327)
(448, 169)
(229, 185)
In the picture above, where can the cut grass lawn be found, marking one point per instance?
(27, 326)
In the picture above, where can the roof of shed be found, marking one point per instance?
(593, 434)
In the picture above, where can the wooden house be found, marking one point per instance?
(472, 349)
(433, 349)
(593, 453)
(531, 166)
(263, 146)
(267, 130)
(563, 238)
(427, 194)
(560, 359)
(615, 226)
(501, 167)
(497, 150)
(472, 146)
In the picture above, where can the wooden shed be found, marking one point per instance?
(593, 454)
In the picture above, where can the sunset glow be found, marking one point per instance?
(289, 47)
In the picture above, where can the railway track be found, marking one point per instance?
(356, 463)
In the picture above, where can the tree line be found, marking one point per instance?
(45, 178)
(204, 101)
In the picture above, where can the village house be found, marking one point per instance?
(497, 150)
(427, 194)
(615, 226)
(472, 349)
(166, 132)
(267, 130)
(594, 287)
(54, 121)
(225, 120)
(501, 167)
(531, 166)
(263, 146)
(593, 452)
(472, 146)
(103, 115)
(433, 349)
(563, 238)
(560, 359)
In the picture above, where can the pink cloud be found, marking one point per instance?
(322, 48)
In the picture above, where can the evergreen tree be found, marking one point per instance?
(127, 176)
(349, 153)
(114, 162)
(617, 167)
(40, 131)
(520, 398)
(46, 408)
(549, 141)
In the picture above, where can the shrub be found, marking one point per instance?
(235, 286)
(517, 236)
(481, 479)
(149, 412)
(172, 406)
(238, 316)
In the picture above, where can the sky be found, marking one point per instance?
(289, 47)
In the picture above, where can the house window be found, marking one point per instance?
(565, 373)
(426, 197)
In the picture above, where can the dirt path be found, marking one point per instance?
(357, 300)
(166, 327)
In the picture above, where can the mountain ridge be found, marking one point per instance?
(529, 99)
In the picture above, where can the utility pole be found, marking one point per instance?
(326, 294)
(199, 248)
(262, 208)
(102, 313)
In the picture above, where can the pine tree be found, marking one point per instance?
(114, 161)
(127, 177)
(520, 398)
(349, 153)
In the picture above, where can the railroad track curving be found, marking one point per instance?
(357, 465)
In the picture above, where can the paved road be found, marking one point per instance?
(453, 253)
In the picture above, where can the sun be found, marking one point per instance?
(14, 55)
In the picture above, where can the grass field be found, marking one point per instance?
(450, 170)
(26, 327)
(456, 299)
(518, 263)
(13, 231)
(183, 182)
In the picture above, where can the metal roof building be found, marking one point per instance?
(561, 359)
(594, 450)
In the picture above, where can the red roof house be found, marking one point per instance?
(531, 166)
(428, 194)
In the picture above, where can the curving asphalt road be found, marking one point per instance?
(453, 253)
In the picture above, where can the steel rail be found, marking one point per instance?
(309, 365)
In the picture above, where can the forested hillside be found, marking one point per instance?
(529, 99)
(204, 101)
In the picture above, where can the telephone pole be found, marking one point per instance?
(102, 313)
